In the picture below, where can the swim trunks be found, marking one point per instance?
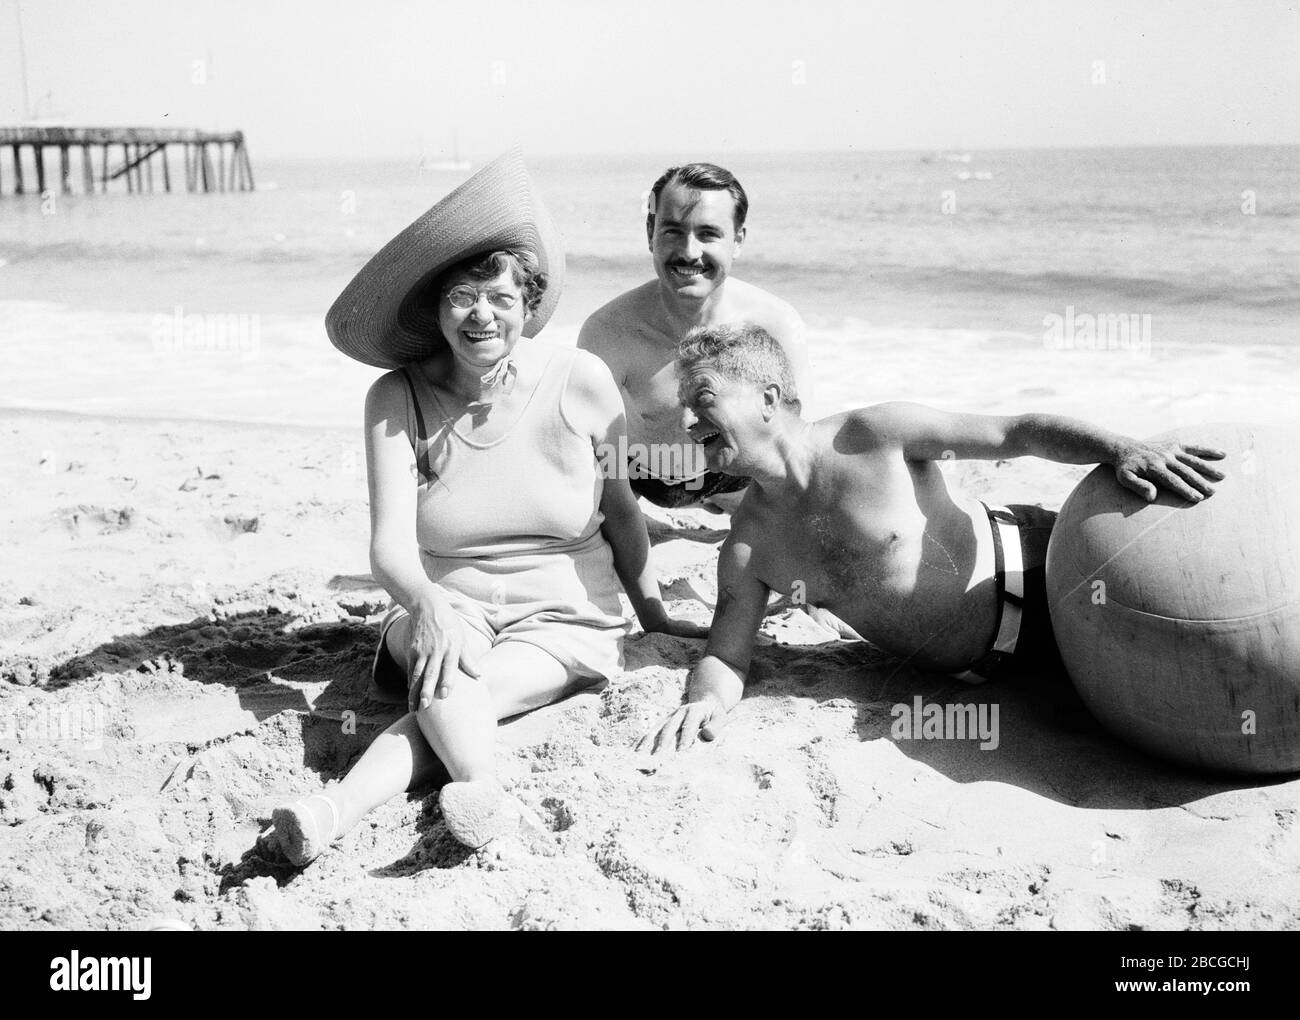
(1023, 643)
(689, 492)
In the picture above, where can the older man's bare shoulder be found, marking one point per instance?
(860, 430)
(849, 448)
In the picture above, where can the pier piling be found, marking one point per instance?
(230, 171)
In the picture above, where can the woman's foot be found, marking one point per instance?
(478, 812)
(304, 829)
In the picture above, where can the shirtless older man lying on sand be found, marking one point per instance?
(852, 513)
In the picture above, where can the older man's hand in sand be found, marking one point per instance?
(696, 719)
(713, 690)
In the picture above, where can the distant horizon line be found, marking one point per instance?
(476, 157)
(479, 158)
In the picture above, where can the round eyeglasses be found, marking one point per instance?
(467, 297)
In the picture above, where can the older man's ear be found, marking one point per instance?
(771, 400)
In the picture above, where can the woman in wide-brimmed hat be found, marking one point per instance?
(493, 524)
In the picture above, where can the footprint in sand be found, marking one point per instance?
(85, 519)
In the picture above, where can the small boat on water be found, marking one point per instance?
(441, 164)
(446, 165)
(947, 157)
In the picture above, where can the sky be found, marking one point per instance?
(387, 78)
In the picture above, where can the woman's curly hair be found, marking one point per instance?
(523, 270)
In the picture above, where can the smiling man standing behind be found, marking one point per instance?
(695, 227)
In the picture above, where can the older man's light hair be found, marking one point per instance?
(741, 350)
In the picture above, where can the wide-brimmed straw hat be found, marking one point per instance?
(388, 315)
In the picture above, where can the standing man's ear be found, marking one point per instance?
(650, 201)
(740, 239)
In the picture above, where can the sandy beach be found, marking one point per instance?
(187, 622)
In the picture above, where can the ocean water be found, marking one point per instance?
(904, 265)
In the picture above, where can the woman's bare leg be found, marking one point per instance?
(514, 677)
(400, 758)
(459, 731)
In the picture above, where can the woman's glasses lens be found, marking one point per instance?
(465, 297)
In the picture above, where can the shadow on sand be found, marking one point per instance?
(1043, 738)
(270, 663)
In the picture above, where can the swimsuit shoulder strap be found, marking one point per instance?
(560, 369)
(419, 441)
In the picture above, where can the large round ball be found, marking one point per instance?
(1179, 622)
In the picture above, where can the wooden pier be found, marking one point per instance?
(213, 161)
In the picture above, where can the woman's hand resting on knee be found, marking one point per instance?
(438, 652)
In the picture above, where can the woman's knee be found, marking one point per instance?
(397, 639)
(520, 676)
(465, 694)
